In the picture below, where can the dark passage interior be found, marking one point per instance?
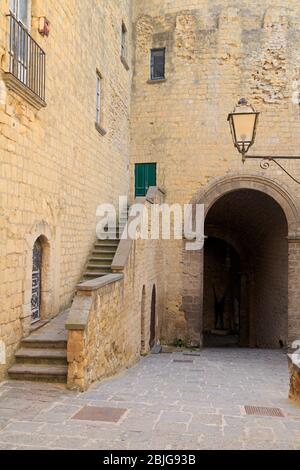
(246, 272)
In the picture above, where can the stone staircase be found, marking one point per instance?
(101, 258)
(43, 355)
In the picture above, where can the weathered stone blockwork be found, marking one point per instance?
(55, 167)
(216, 53)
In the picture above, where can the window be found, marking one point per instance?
(99, 103)
(124, 42)
(158, 64)
(145, 177)
(36, 281)
(21, 11)
(27, 65)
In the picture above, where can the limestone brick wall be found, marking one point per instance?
(55, 166)
(271, 288)
(109, 326)
(216, 53)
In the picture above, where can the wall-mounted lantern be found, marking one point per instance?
(243, 125)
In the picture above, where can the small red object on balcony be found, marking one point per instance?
(44, 26)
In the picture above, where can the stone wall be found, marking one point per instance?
(294, 362)
(270, 283)
(110, 319)
(55, 166)
(216, 53)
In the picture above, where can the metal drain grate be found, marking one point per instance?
(94, 413)
(264, 411)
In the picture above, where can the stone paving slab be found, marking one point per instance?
(171, 406)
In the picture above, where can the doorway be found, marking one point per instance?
(36, 281)
(222, 295)
(153, 319)
(246, 272)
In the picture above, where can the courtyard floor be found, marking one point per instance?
(167, 401)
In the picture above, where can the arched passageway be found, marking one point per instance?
(245, 297)
(260, 220)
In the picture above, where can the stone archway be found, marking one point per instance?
(193, 262)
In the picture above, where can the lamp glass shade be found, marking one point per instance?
(243, 123)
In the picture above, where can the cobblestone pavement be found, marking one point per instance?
(195, 402)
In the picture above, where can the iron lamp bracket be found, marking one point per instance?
(267, 160)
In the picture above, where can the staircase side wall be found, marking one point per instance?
(114, 321)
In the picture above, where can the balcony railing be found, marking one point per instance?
(27, 61)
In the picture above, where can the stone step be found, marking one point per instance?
(105, 251)
(101, 259)
(41, 356)
(39, 373)
(99, 266)
(43, 343)
(94, 274)
(101, 254)
(109, 244)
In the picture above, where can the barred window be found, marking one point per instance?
(158, 57)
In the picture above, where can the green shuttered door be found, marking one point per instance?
(145, 177)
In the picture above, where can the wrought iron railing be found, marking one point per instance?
(27, 60)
